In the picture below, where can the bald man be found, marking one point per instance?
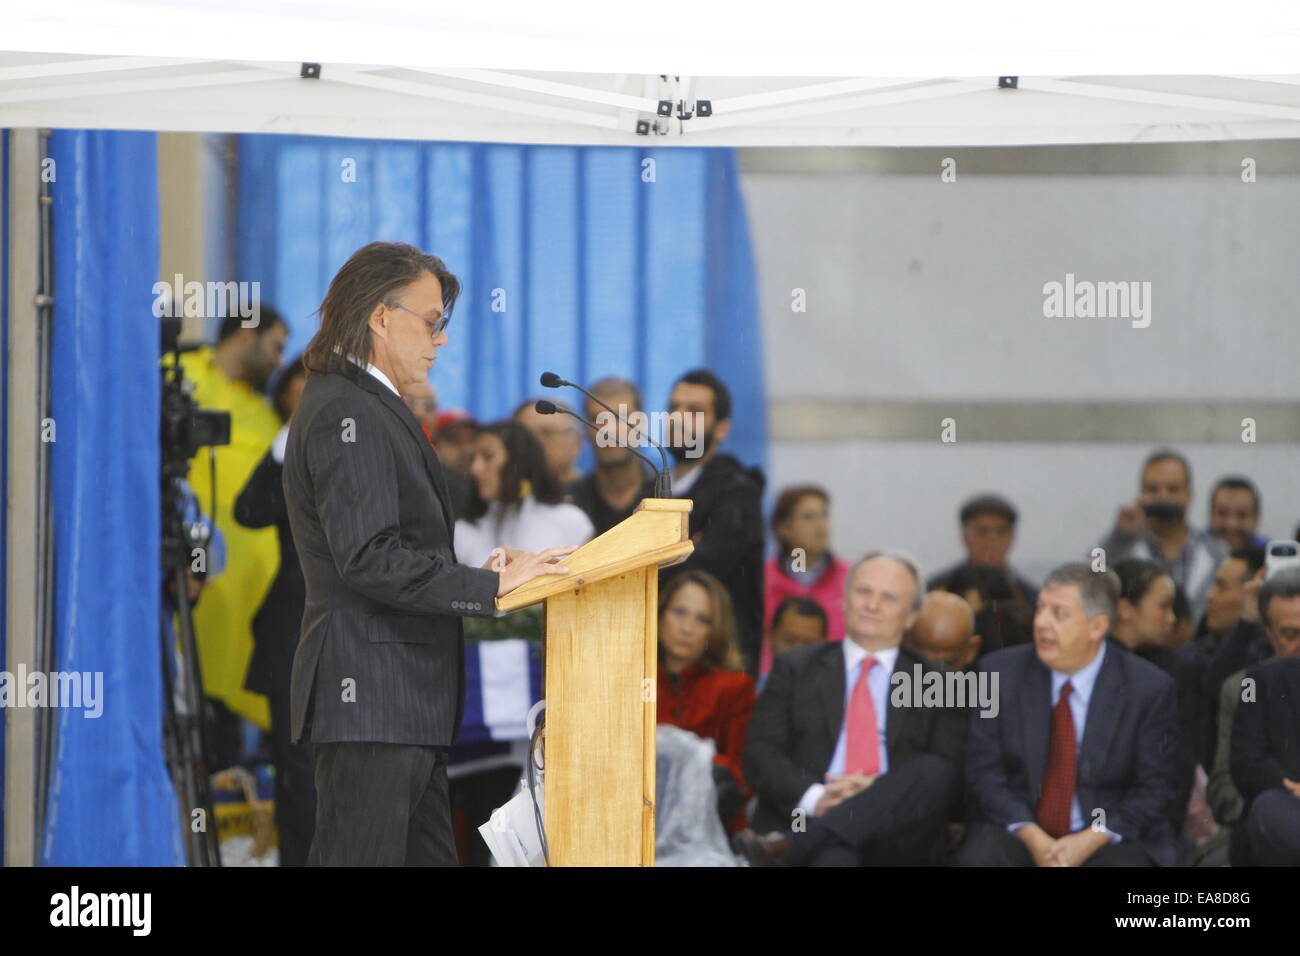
(945, 631)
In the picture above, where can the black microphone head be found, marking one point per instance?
(543, 407)
(551, 380)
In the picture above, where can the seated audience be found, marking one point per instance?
(422, 400)
(454, 440)
(803, 564)
(796, 622)
(1184, 625)
(1144, 614)
(1154, 528)
(944, 631)
(1265, 741)
(614, 488)
(515, 500)
(727, 513)
(988, 530)
(1144, 624)
(560, 437)
(1246, 644)
(1225, 608)
(979, 585)
(1001, 617)
(1234, 513)
(1284, 613)
(844, 775)
(1078, 767)
(1226, 600)
(1006, 624)
(701, 686)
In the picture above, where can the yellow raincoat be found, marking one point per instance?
(223, 617)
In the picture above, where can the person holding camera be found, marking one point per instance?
(1154, 528)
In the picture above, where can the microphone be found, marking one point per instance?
(543, 407)
(663, 480)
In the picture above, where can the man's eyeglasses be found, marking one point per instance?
(435, 327)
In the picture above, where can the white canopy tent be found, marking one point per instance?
(816, 73)
(811, 73)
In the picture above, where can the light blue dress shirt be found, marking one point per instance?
(1081, 686)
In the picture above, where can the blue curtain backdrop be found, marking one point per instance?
(4, 438)
(111, 801)
(609, 261)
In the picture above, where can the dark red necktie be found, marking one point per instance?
(1058, 778)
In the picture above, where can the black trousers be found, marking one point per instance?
(989, 845)
(295, 785)
(900, 820)
(1272, 829)
(381, 804)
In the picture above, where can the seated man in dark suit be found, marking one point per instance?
(1265, 756)
(846, 771)
(1078, 767)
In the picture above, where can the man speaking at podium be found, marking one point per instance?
(378, 685)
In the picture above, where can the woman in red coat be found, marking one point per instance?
(702, 687)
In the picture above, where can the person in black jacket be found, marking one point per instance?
(378, 685)
(1265, 757)
(847, 769)
(275, 630)
(726, 521)
(1079, 765)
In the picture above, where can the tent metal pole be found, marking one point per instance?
(24, 510)
(1128, 94)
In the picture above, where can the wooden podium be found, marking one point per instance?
(602, 634)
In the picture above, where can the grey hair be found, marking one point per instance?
(1098, 590)
(1284, 584)
(905, 559)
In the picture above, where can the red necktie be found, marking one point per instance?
(1058, 778)
(862, 747)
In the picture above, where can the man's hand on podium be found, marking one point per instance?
(518, 567)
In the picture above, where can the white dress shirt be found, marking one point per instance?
(377, 374)
(383, 378)
(878, 684)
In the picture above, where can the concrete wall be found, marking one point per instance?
(924, 300)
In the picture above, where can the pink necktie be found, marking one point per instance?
(862, 748)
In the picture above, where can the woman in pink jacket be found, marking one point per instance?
(803, 565)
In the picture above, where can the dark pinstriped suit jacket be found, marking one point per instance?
(372, 520)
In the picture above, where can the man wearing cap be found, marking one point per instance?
(988, 530)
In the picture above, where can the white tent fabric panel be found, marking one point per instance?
(807, 38)
(809, 74)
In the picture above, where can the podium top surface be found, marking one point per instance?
(656, 534)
